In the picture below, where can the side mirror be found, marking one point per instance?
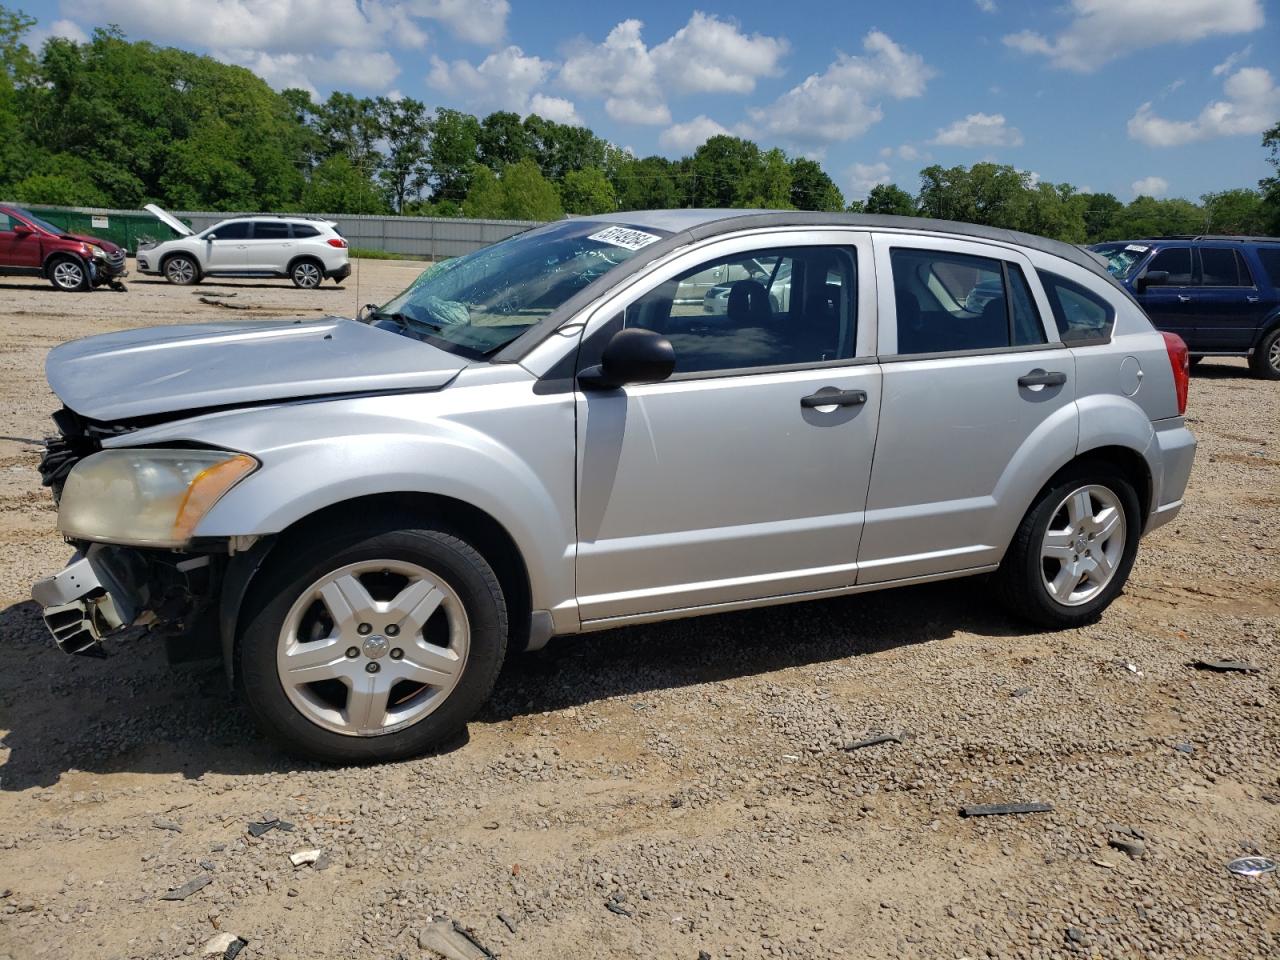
(1152, 278)
(635, 355)
(211, 236)
(21, 229)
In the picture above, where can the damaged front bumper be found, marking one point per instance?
(79, 609)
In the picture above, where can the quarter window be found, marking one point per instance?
(1177, 262)
(301, 231)
(950, 302)
(1220, 267)
(765, 308)
(270, 230)
(1082, 316)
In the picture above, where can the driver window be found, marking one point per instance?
(232, 231)
(760, 309)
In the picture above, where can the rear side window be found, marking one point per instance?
(301, 231)
(1221, 267)
(1176, 261)
(270, 230)
(949, 302)
(1082, 316)
(1270, 257)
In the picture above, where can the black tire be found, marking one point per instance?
(299, 565)
(68, 274)
(1265, 361)
(1020, 582)
(181, 270)
(307, 273)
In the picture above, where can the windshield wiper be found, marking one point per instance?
(407, 321)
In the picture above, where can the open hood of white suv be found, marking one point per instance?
(169, 220)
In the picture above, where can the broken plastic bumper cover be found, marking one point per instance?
(77, 608)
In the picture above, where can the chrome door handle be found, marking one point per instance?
(831, 397)
(1183, 299)
(1042, 378)
(1252, 299)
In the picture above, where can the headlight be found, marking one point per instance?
(96, 251)
(147, 497)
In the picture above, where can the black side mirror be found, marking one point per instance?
(635, 355)
(1152, 278)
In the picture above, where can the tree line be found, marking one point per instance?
(115, 123)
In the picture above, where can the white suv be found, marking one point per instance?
(304, 249)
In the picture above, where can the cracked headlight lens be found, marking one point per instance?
(147, 497)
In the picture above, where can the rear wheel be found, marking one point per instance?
(69, 274)
(182, 270)
(306, 274)
(1265, 361)
(382, 650)
(1074, 549)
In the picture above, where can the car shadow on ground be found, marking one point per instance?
(1208, 370)
(134, 713)
(239, 283)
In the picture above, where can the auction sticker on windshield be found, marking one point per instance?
(624, 237)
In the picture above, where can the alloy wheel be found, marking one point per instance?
(307, 276)
(1273, 355)
(1083, 546)
(373, 647)
(68, 275)
(180, 270)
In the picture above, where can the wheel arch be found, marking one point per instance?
(165, 258)
(55, 255)
(1131, 464)
(467, 521)
(299, 258)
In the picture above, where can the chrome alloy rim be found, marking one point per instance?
(373, 647)
(180, 270)
(1273, 355)
(68, 275)
(1083, 546)
(306, 275)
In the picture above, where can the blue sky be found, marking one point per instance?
(1167, 97)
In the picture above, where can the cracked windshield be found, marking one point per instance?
(478, 303)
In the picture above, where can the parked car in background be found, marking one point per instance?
(1219, 294)
(536, 439)
(307, 250)
(71, 262)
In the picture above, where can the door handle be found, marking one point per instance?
(1252, 299)
(834, 398)
(1042, 378)
(1183, 299)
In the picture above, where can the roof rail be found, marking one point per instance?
(1212, 236)
(279, 216)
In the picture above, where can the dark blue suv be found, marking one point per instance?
(1219, 294)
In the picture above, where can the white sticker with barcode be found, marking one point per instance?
(624, 237)
(1137, 248)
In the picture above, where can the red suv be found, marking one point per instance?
(31, 246)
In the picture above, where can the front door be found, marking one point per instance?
(227, 246)
(743, 476)
(971, 372)
(1171, 304)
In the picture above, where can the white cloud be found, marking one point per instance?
(863, 176)
(1150, 187)
(841, 102)
(987, 6)
(1227, 65)
(295, 26)
(476, 21)
(358, 70)
(1104, 30)
(710, 55)
(621, 70)
(555, 108)
(505, 80)
(687, 137)
(1251, 105)
(979, 130)
(66, 29)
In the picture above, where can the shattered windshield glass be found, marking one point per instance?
(1121, 257)
(477, 303)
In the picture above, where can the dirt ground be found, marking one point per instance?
(681, 790)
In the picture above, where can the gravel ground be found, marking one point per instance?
(679, 790)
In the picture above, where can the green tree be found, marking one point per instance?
(503, 140)
(1237, 211)
(1270, 186)
(527, 194)
(452, 154)
(812, 189)
(719, 170)
(768, 184)
(1149, 217)
(485, 200)
(1099, 213)
(889, 198)
(406, 130)
(559, 148)
(338, 186)
(946, 194)
(648, 184)
(587, 191)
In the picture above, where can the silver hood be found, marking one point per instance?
(139, 373)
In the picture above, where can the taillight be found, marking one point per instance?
(1180, 360)
(337, 242)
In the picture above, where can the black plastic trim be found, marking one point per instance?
(980, 352)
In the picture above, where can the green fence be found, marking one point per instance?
(125, 229)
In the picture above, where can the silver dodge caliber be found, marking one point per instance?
(553, 435)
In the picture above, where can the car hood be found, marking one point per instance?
(169, 220)
(150, 371)
(106, 245)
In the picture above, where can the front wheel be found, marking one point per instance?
(181, 270)
(382, 650)
(1074, 549)
(1266, 358)
(69, 275)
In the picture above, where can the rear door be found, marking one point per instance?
(1228, 303)
(975, 382)
(1171, 305)
(270, 246)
